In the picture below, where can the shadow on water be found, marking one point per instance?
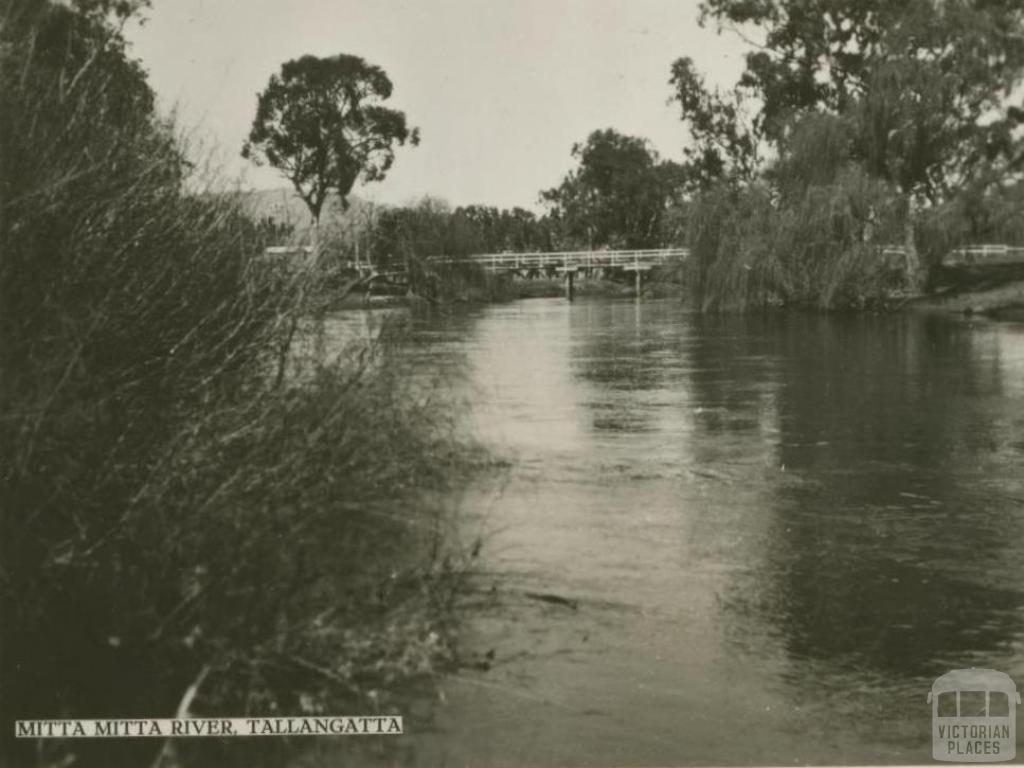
(889, 556)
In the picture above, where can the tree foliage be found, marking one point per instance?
(432, 228)
(617, 195)
(925, 84)
(920, 98)
(723, 144)
(321, 122)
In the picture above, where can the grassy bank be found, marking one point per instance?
(995, 291)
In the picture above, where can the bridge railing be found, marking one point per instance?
(574, 259)
(983, 253)
(987, 253)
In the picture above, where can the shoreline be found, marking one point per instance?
(1002, 303)
(993, 291)
(982, 293)
(542, 288)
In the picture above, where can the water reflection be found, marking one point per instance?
(789, 521)
(894, 557)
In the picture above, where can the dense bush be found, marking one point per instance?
(823, 248)
(178, 512)
(812, 233)
(430, 228)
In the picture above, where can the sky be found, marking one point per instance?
(500, 89)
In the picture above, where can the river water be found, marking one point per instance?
(729, 540)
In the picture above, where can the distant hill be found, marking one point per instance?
(286, 208)
(281, 204)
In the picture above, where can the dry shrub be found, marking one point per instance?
(174, 513)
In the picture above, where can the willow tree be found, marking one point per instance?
(926, 87)
(322, 123)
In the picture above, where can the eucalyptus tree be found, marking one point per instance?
(323, 124)
(926, 87)
(725, 137)
(927, 83)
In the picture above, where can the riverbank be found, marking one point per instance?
(596, 287)
(1003, 303)
(996, 292)
(494, 289)
(213, 501)
(992, 291)
(526, 289)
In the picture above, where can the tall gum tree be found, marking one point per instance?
(927, 86)
(322, 123)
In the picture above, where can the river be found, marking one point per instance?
(729, 540)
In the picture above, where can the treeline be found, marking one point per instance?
(864, 140)
(619, 197)
(432, 228)
(856, 124)
(194, 516)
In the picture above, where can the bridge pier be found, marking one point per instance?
(569, 276)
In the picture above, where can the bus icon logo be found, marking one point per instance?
(974, 716)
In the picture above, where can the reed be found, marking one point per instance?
(182, 516)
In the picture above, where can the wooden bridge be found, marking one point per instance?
(628, 261)
(569, 263)
(634, 262)
(642, 260)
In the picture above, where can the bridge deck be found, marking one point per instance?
(629, 260)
